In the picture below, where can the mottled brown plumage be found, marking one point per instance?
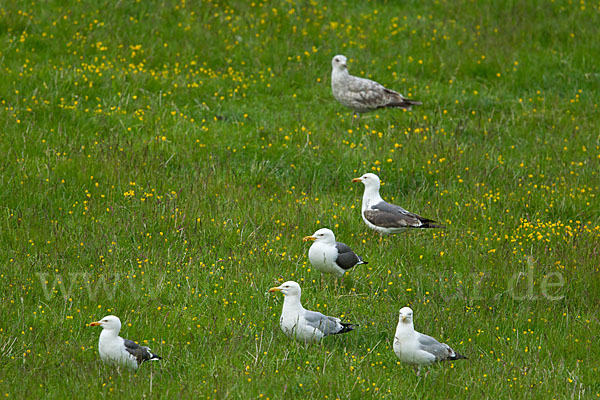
(363, 95)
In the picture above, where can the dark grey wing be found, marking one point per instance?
(441, 351)
(346, 257)
(384, 206)
(141, 353)
(327, 325)
(392, 216)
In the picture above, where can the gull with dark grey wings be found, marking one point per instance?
(385, 217)
(329, 256)
(114, 349)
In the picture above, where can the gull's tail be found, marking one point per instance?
(398, 101)
(405, 103)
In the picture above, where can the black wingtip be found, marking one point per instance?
(458, 357)
(430, 223)
(346, 328)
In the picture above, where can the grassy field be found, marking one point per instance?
(161, 161)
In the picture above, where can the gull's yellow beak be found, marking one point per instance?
(356, 180)
(275, 289)
(95, 323)
(307, 238)
(404, 318)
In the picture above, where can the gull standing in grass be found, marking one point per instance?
(363, 95)
(418, 349)
(114, 349)
(328, 255)
(304, 325)
(385, 217)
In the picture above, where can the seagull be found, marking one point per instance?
(385, 217)
(114, 349)
(304, 325)
(329, 256)
(363, 95)
(418, 349)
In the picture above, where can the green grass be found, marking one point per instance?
(161, 161)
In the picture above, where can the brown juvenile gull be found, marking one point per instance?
(328, 255)
(363, 95)
(385, 217)
(114, 349)
(304, 325)
(418, 349)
